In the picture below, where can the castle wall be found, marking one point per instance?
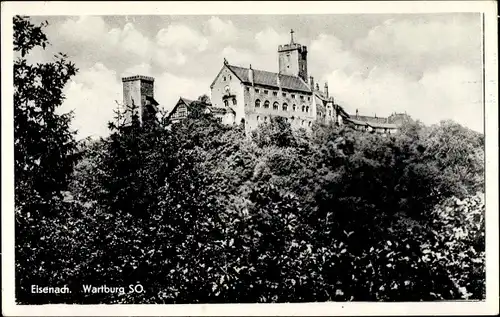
(256, 115)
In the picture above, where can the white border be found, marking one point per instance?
(490, 306)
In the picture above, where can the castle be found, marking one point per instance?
(250, 96)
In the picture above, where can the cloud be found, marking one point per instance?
(450, 92)
(329, 54)
(428, 66)
(87, 28)
(221, 30)
(91, 39)
(91, 94)
(169, 87)
(268, 40)
(181, 37)
(416, 44)
(237, 56)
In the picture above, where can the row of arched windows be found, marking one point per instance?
(292, 119)
(276, 106)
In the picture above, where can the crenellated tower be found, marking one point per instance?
(292, 59)
(138, 91)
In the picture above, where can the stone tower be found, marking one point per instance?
(139, 91)
(292, 59)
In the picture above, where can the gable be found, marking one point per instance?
(225, 72)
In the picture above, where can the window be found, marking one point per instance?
(303, 108)
(256, 90)
(230, 77)
(224, 78)
(303, 122)
(266, 92)
(226, 103)
(180, 113)
(266, 104)
(283, 94)
(276, 105)
(257, 103)
(330, 113)
(309, 123)
(307, 109)
(301, 97)
(248, 88)
(275, 93)
(308, 98)
(234, 101)
(294, 108)
(265, 119)
(258, 118)
(285, 107)
(293, 96)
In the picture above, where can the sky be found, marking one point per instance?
(427, 65)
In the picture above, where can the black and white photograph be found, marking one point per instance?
(181, 157)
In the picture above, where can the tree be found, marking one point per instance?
(204, 98)
(45, 147)
(45, 152)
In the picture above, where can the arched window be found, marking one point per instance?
(266, 104)
(258, 118)
(303, 108)
(307, 109)
(265, 119)
(294, 108)
(226, 103)
(276, 105)
(285, 107)
(309, 123)
(257, 103)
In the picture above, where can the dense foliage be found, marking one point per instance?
(199, 212)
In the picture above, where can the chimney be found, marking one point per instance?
(250, 74)
(278, 81)
(311, 82)
(326, 89)
(356, 113)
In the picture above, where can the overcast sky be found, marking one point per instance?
(429, 65)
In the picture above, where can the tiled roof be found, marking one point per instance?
(372, 124)
(186, 101)
(383, 125)
(218, 110)
(370, 119)
(320, 107)
(321, 95)
(265, 78)
(356, 122)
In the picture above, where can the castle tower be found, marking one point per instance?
(138, 91)
(292, 59)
